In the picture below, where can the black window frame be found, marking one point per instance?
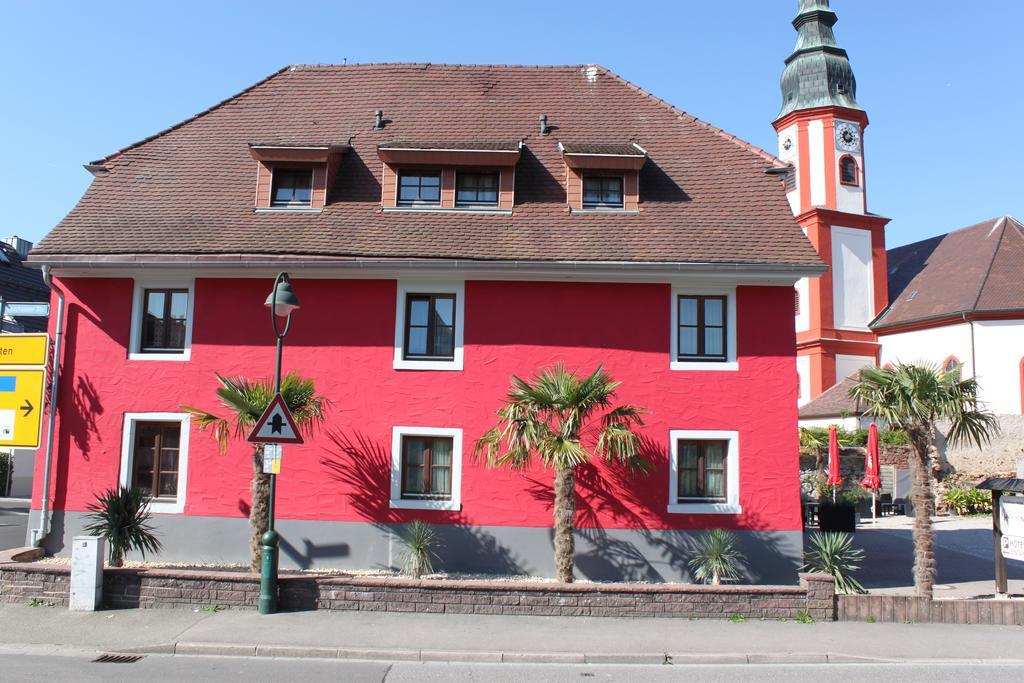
(603, 204)
(428, 468)
(158, 429)
(431, 326)
(402, 175)
(277, 176)
(168, 293)
(461, 175)
(701, 356)
(701, 470)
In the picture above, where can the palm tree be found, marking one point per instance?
(555, 417)
(246, 399)
(916, 398)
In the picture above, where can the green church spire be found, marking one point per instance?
(818, 73)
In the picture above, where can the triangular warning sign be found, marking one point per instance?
(275, 425)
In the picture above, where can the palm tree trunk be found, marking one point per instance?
(565, 512)
(259, 511)
(921, 493)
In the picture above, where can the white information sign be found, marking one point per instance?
(1011, 521)
(272, 458)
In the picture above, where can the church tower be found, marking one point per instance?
(821, 135)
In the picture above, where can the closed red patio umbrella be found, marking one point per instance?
(872, 481)
(834, 477)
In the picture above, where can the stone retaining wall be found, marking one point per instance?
(902, 609)
(158, 588)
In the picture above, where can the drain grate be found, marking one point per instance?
(117, 659)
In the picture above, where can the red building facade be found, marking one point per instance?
(430, 272)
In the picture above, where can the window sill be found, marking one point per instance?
(435, 209)
(402, 504)
(721, 366)
(287, 209)
(167, 507)
(704, 509)
(181, 357)
(450, 365)
(605, 212)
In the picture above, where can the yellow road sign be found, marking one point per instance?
(23, 349)
(21, 407)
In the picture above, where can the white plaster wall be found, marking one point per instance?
(850, 423)
(791, 156)
(847, 365)
(803, 318)
(998, 350)
(852, 281)
(848, 198)
(931, 345)
(816, 148)
(803, 371)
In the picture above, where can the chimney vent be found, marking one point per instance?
(378, 119)
(544, 127)
(21, 246)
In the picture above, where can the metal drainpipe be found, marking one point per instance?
(40, 533)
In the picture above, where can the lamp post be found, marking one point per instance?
(282, 301)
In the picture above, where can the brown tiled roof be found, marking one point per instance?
(975, 269)
(834, 401)
(189, 190)
(473, 146)
(613, 150)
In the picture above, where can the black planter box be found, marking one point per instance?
(837, 517)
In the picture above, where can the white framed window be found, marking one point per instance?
(426, 468)
(162, 316)
(429, 324)
(704, 473)
(703, 329)
(154, 457)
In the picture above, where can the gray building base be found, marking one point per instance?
(601, 554)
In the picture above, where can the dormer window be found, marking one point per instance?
(602, 192)
(291, 187)
(849, 173)
(463, 176)
(419, 189)
(603, 177)
(476, 189)
(294, 177)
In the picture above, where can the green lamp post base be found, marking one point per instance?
(268, 574)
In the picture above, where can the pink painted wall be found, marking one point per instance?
(343, 338)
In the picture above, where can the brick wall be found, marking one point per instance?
(912, 609)
(163, 588)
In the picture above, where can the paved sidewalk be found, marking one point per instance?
(480, 638)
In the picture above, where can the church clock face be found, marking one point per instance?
(848, 137)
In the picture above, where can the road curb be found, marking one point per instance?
(494, 657)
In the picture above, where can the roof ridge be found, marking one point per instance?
(739, 142)
(442, 65)
(991, 262)
(181, 123)
(989, 221)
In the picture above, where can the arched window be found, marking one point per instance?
(952, 364)
(849, 172)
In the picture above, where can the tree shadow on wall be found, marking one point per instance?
(86, 407)
(363, 467)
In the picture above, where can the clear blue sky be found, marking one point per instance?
(942, 82)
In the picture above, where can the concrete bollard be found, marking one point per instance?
(87, 554)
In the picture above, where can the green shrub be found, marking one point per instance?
(854, 495)
(804, 617)
(717, 556)
(968, 501)
(420, 541)
(833, 553)
(817, 437)
(121, 516)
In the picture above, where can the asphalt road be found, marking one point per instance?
(81, 667)
(13, 522)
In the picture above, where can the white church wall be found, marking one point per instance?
(803, 370)
(852, 279)
(849, 198)
(790, 136)
(816, 149)
(847, 365)
(998, 350)
(930, 345)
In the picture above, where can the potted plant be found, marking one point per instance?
(836, 512)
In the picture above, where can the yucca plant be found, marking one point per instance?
(420, 541)
(833, 553)
(121, 516)
(717, 557)
(245, 400)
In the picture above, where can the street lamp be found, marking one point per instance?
(281, 302)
